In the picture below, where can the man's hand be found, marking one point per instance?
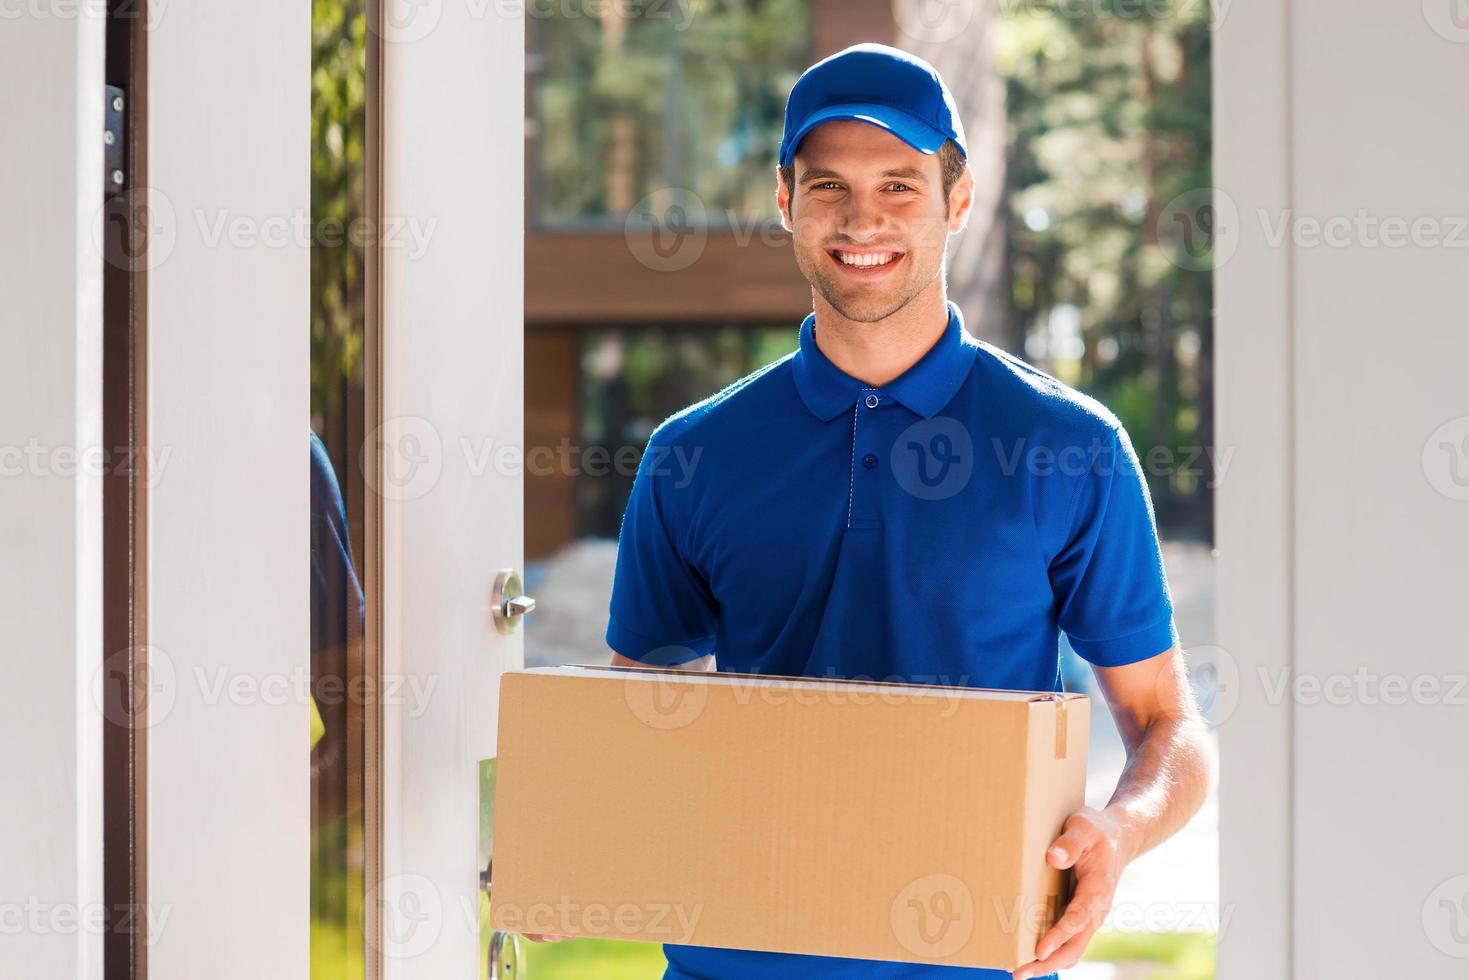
(1167, 776)
(1091, 843)
(537, 937)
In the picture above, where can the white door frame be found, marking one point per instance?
(1254, 367)
(450, 493)
(51, 121)
(228, 804)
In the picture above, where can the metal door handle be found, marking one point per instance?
(508, 602)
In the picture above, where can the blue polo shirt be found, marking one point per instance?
(944, 527)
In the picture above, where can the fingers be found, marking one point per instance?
(537, 937)
(1067, 956)
(1077, 837)
(1083, 916)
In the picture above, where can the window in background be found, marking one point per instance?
(688, 94)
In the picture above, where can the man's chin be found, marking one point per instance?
(864, 308)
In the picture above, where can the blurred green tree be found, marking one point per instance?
(1109, 111)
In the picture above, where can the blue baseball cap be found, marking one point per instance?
(875, 84)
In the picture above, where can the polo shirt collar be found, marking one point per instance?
(926, 387)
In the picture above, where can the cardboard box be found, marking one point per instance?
(843, 818)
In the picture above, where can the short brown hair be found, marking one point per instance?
(952, 163)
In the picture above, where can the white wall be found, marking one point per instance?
(1344, 538)
(50, 498)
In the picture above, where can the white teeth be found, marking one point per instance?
(867, 261)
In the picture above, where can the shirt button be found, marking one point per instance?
(869, 461)
(872, 401)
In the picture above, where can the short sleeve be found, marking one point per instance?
(661, 611)
(1108, 577)
(336, 594)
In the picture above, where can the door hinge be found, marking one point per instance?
(113, 160)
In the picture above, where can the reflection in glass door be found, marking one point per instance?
(338, 513)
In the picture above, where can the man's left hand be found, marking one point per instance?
(1090, 843)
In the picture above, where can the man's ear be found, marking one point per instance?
(961, 202)
(783, 201)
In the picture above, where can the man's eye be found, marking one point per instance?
(901, 187)
(827, 185)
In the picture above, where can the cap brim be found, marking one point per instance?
(905, 126)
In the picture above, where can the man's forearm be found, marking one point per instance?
(1168, 774)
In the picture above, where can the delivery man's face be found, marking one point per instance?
(869, 218)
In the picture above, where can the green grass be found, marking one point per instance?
(1175, 955)
(580, 959)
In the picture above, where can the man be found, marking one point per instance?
(897, 500)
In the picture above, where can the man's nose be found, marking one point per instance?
(863, 219)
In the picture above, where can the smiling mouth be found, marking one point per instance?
(874, 262)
